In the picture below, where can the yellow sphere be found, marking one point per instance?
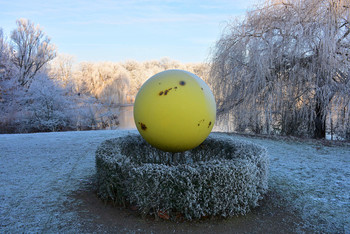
(174, 110)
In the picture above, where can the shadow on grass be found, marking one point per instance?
(272, 216)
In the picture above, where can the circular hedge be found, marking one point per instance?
(222, 176)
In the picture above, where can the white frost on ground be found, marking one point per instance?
(314, 179)
(38, 171)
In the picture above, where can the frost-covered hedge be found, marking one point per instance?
(221, 177)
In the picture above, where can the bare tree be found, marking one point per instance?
(3, 55)
(285, 66)
(31, 50)
(6, 66)
(61, 69)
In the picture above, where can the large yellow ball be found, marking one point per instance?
(174, 110)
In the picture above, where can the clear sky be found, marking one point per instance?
(119, 30)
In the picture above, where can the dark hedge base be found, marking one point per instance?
(221, 177)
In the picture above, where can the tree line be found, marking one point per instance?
(42, 90)
(285, 69)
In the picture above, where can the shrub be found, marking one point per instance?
(221, 177)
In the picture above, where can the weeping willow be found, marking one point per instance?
(285, 69)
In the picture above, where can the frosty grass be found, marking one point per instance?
(38, 171)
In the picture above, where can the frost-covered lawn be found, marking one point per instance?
(314, 179)
(39, 171)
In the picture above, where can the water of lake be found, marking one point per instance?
(126, 117)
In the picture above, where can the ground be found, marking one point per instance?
(47, 185)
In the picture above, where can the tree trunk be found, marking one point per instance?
(320, 122)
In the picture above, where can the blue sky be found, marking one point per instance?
(142, 30)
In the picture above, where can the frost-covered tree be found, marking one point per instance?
(7, 69)
(285, 66)
(47, 108)
(9, 90)
(106, 81)
(42, 107)
(61, 70)
(4, 56)
(32, 49)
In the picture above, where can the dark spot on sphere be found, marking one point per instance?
(201, 88)
(209, 124)
(182, 83)
(160, 93)
(143, 126)
(166, 92)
